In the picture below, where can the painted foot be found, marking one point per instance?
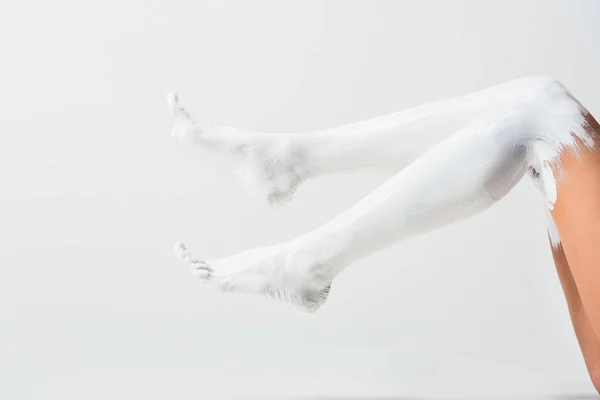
(270, 166)
(272, 271)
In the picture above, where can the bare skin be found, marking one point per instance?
(576, 214)
(588, 341)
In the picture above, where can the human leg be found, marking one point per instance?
(273, 165)
(584, 331)
(461, 176)
(576, 214)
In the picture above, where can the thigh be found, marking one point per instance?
(577, 217)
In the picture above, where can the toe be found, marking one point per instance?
(172, 101)
(203, 274)
(181, 251)
(199, 265)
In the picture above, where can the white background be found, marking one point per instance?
(94, 192)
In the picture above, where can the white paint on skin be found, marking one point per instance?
(455, 158)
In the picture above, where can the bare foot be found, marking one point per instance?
(275, 271)
(270, 166)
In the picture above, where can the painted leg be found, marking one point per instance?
(273, 165)
(460, 177)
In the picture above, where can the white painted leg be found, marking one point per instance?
(273, 165)
(458, 178)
